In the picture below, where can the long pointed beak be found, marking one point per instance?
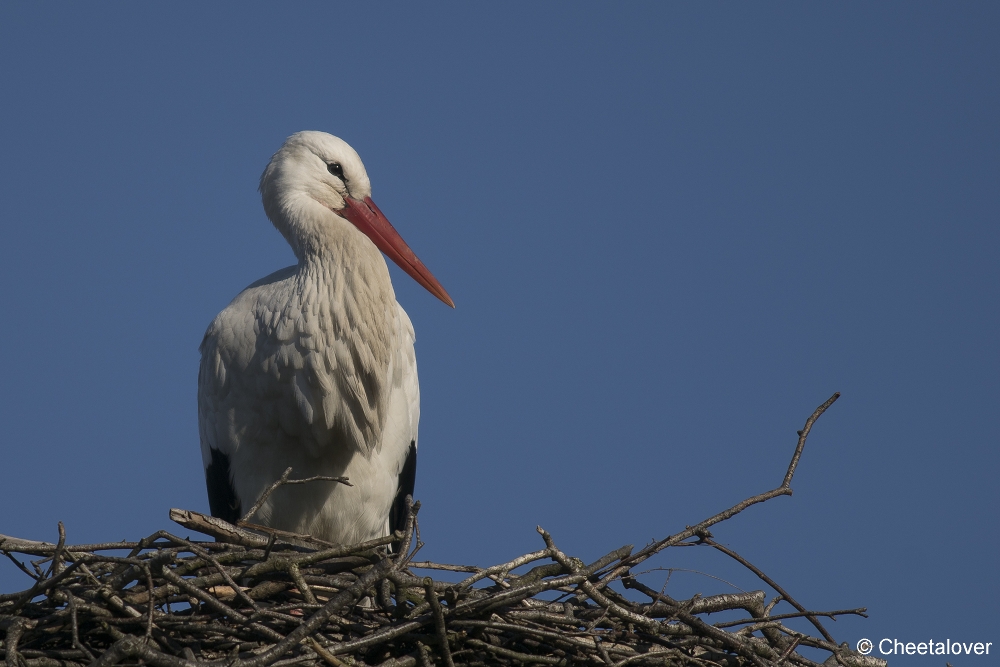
(365, 216)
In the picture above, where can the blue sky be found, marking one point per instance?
(670, 230)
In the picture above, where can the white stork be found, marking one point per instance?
(313, 366)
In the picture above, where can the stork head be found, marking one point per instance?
(315, 175)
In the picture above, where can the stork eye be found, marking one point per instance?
(335, 169)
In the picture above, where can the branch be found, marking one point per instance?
(784, 489)
(283, 480)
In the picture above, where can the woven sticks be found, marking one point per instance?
(262, 598)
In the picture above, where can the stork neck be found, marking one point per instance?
(335, 257)
(349, 269)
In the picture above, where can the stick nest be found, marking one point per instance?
(262, 598)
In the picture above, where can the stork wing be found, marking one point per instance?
(272, 377)
(403, 418)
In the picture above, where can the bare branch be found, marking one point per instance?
(283, 480)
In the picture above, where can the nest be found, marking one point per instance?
(256, 597)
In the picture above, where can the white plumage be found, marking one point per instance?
(313, 367)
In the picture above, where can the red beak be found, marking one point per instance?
(365, 216)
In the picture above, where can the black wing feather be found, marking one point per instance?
(221, 496)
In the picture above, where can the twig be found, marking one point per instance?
(442, 631)
(803, 434)
(783, 490)
(14, 632)
(284, 480)
(57, 555)
(21, 566)
(860, 611)
(409, 528)
(328, 657)
(75, 627)
(770, 582)
(296, 575)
